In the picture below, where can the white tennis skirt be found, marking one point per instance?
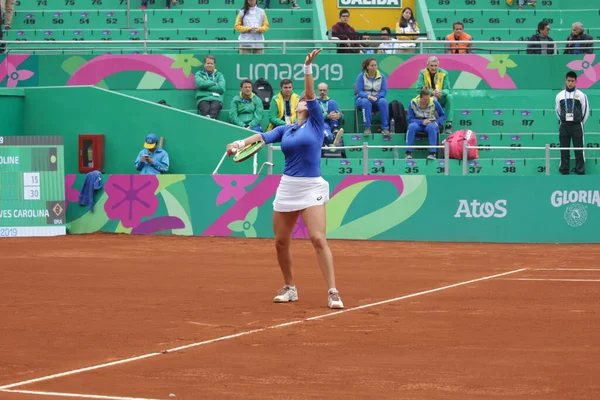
(297, 193)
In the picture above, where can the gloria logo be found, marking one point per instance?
(476, 209)
(575, 211)
(369, 3)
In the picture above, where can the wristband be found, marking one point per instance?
(308, 69)
(241, 144)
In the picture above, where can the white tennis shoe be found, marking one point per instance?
(285, 294)
(334, 300)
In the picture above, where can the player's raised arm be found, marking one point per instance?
(309, 85)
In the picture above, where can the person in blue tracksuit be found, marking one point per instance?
(302, 190)
(332, 116)
(371, 89)
(152, 160)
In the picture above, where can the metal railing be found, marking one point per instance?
(446, 146)
(285, 46)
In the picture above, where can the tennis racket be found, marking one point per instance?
(248, 151)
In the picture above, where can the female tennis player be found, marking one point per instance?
(302, 190)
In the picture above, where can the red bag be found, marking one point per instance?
(456, 141)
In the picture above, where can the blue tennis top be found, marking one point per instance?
(301, 144)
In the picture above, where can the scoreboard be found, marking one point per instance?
(32, 186)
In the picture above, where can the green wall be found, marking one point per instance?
(555, 209)
(194, 143)
(11, 111)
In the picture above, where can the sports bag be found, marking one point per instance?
(456, 142)
(264, 91)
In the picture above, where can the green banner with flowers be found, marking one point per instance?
(553, 209)
(160, 71)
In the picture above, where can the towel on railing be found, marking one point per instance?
(93, 182)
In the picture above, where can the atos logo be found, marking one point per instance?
(498, 112)
(476, 209)
(465, 112)
(484, 137)
(509, 162)
(378, 163)
(525, 113)
(515, 138)
(344, 162)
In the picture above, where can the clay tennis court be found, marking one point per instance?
(422, 320)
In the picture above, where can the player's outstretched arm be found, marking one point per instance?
(232, 148)
(309, 84)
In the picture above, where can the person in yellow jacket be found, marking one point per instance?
(436, 80)
(407, 25)
(282, 110)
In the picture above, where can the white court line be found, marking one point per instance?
(236, 335)
(564, 269)
(549, 279)
(85, 396)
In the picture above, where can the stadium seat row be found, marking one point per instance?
(515, 141)
(138, 34)
(478, 167)
(497, 19)
(501, 4)
(176, 18)
(134, 4)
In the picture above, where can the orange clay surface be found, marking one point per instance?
(80, 301)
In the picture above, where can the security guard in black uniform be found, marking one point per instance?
(573, 110)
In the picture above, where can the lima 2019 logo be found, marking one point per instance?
(576, 212)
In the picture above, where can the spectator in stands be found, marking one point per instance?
(294, 4)
(576, 35)
(371, 88)
(367, 48)
(152, 159)
(458, 34)
(210, 89)
(522, 3)
(387, 47)
(246, 109)
(343, 31)
(405, 26)
(545, 46)
(282, 110)
(169, 3)
(8, 7)
(572, 110)
(436, 80)
(425, 114)
(252, 23)
(331, 114)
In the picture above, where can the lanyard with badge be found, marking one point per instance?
(569, 114)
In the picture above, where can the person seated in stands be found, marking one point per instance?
(425, 114)
(8, 8)
(371, 89)
(251, 23)
(406, 25)
(332, 116)
(436, 80)
(576, 35)
(343, 31)
(282, 110)
(246, 109)
(367, 47)
(459, 34)
(387, 47)
(545, 45)
(294, 4)
(210, 89)
(152, 159)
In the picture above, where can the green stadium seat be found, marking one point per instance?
(84, 19)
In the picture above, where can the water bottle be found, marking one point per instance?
(393, 126)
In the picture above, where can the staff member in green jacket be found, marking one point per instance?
(210, 85)
(436, 80)
(246, 109)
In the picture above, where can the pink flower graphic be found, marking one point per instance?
(14, 76)
(585, 65)
(233, 186)
(300, 229)
(71, 194)
(130, 198)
